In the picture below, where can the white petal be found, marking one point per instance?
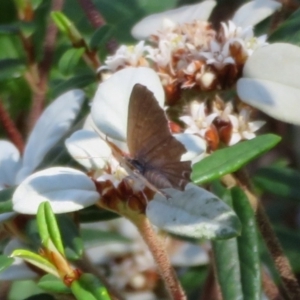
(185, 14)
(194, 213)
(194, 144)
(271, 81)
(18, 270)
(88, 149)
(253, 12)
(55, 121)
(66, 189)
(9, 164)
(110, 106)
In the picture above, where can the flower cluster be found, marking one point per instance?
(192, 55)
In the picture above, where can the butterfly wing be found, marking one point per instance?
(150, 141)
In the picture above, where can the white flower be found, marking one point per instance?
(242, 128)
(55, 121)
(157, 22)
(198, 121)
(127, 56)
(271, 82)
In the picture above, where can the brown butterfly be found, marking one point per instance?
(154, 152)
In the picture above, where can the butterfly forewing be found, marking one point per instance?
(150, 141)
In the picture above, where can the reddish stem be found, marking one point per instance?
(11, 129)
(92, 13)
(159, 253)
(44, 68)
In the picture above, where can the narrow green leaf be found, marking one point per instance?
(227, 264)
(247, 246)
(70, 59)
(9, 29)
(66, 26)
(95, 237)
(231, 159)
(6, 207)
(53, 228)
(53, 284)
(11, 67)
(94, 214)
(92, 285)
(101, 36)
(280, 181)
(80, 292)
(42, 296)
(42, 224)
(70, 236)
(36, 260)
(6, 194)
(79, 81)
(288, 31)
(5, 262)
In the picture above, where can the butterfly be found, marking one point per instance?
(153, 151)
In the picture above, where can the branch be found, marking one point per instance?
(11, 129)
(44, 68)
(92, 13)
(160, 256)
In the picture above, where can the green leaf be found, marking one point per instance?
(9, 29)
(5, 262)
(89, 287)
(42, 225)
(70, 59)
(53, 284)
(92, 237)
(36, 260)
(66, 26)
(280, 181)
(101, 36)
(288, 31)
(42, 296)
(76, 82)
(227, 264)
(231, 159)
(70, 236)
(53, 228)
(194, 213)
(11, 68)
(5, 200)
(248, 247)
(94, 214)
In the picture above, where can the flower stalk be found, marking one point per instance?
(159, 253)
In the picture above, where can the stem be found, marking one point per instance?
(97, 21)
(11, 129)
(282, 264)
(270, 288)
(44, 68)
(92, 13)
(159, 253)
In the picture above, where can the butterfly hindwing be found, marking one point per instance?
(150, 141)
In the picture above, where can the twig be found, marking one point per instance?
(11, 129)
(43, 68)
(92, 13)
(269, 287)
(282, 264)
(97, 21)
(160, 256)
